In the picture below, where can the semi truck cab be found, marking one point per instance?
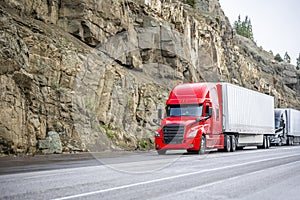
(190, 121)
(280, 118)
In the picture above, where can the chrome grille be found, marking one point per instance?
(173, 133)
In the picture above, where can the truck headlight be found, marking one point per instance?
(192, 134)
(157, 134)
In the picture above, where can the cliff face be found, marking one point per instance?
(95, 72)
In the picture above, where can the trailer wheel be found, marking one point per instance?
(161, 152)
(202, 149)
(268, 142)
(233, 143)
(227, 143)
(264, 146)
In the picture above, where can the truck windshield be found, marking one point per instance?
(184, 110)
(277, 119)
(277, 122)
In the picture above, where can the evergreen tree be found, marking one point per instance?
(250, 33)
(271, 52)
(278, 58)
(287, 58)
(243, 28)
(298, 62)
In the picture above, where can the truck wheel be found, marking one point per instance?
(264, 146)
(227, 143)
(202, 149)
(161, 152)
(233, 143)
(267, 142)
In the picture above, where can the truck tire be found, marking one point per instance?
(264, 146)
(161, 152)
(227, 143)
(290, 141)
(233, 143)
(202, 149)
(268, 142)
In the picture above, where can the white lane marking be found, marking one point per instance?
(54, 172)
(225, 180)
(167, 178)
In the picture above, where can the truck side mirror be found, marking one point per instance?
(210, 112)
(159, 113)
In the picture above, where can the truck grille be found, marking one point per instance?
(173, 133)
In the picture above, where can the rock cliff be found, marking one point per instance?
(95, 72)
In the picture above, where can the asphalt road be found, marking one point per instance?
(249, 174)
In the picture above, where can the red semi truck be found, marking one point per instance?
(205, 116)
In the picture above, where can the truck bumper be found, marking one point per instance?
(275, 140)
(190, 144)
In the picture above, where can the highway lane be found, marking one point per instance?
(247, 174)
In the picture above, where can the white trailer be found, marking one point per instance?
(287, 126)
(247, 114)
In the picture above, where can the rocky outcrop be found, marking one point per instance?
(51, 144)
(96, 71)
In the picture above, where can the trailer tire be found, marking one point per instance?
(161, 152)
(265, 142)
(227, 143)
(268, 142)
(233, 143)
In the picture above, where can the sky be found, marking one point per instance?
(275, 23)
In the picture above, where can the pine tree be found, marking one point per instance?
(243, 28)
(278, 58)
(287, 58)
(298, 62)
(250, 33)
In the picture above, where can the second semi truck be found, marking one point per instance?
(203, 116)
(287, 127)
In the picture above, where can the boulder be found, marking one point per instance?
(51, 144)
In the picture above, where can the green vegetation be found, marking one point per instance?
(191, 2)
(287, 58)
(144, 144)
(278, 58)
(109, 132)
(243, 28)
